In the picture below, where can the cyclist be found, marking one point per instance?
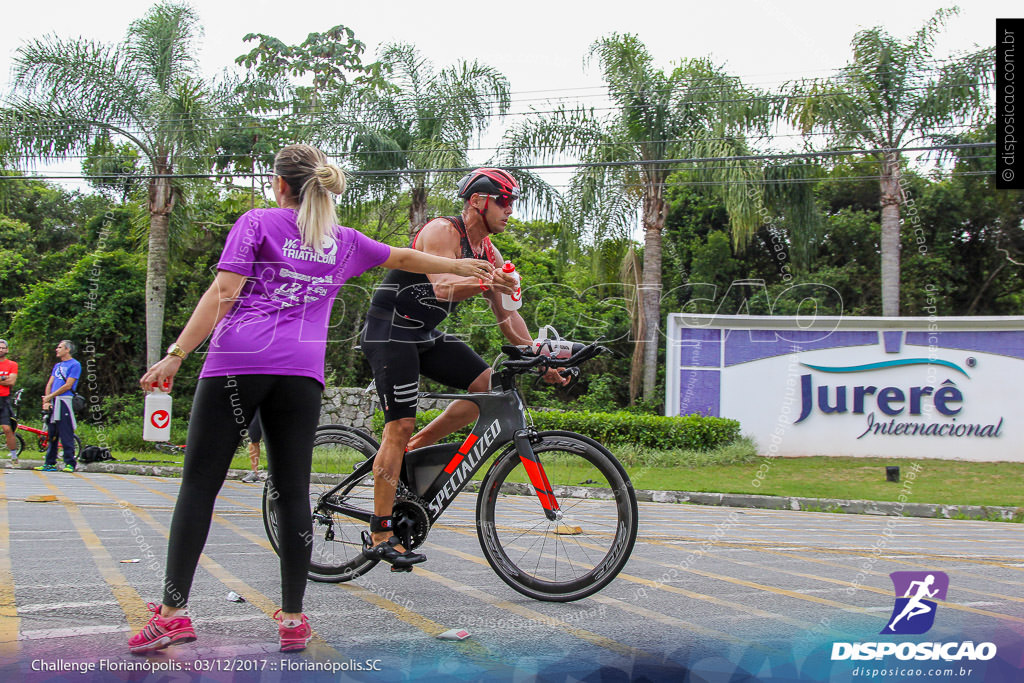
(401, 341)
(268, 311)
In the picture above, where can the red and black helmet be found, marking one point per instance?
(489, 181)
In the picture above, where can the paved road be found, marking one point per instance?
(713, 591)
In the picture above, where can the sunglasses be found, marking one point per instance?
(501, 200)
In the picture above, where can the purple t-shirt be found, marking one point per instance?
(279, 324)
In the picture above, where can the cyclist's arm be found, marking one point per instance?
(511, 323)
(212, 307)
(440, 238)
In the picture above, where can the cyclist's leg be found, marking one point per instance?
(386, 468)
(290, 413)
(396, 375)
(451, 361)
(214, 433)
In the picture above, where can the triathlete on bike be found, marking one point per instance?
(401, 341)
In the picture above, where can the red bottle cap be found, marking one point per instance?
(508, 267)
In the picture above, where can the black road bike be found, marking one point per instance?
(556, 514)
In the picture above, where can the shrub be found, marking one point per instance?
(691, 432)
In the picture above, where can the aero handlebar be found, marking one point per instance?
(522, 360)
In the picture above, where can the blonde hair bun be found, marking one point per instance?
(330, 177)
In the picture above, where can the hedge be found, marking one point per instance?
(693, 432)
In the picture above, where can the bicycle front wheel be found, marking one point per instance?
(336, 543)
(567, 558)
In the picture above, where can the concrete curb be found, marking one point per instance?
(992, 513)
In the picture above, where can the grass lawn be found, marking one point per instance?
(952, 482)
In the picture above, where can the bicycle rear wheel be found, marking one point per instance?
(336, 543)
(571, 557)
(44, 443)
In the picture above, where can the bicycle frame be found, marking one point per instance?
(43, 434)
(501, 425)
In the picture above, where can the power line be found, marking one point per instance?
(539, 167)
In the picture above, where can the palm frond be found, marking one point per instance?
(161, 44)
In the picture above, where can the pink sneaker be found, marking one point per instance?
(293, 638)
(161, 632)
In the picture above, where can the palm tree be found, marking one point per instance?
(69, 94)
(424, 119)
(889, 96)
(694, 111)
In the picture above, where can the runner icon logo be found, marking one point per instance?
(916, 592)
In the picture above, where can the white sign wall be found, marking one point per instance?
(902, 387)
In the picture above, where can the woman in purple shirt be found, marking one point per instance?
(268, 310)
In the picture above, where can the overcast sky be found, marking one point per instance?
(539, 46)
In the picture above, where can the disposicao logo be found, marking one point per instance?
(914, 611)
(913, 614)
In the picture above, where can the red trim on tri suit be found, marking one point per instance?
(462, 452)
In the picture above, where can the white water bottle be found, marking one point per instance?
(157, 423)
(513, 301)
(548, 343)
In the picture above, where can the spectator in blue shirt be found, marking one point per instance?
(60, 389)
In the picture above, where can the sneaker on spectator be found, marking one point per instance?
(295, 634)
(68, 468)
(250, 477)
(46, 468)
(160, 632)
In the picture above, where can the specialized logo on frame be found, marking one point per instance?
(916, 596)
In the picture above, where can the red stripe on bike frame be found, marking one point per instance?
(540, 484)
(463, 450)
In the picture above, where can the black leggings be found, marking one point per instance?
(221, 410)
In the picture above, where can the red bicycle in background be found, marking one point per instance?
(42, 436)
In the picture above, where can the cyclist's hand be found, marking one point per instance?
(552, 376)
(503, 283)
(162, 374)
(472, 267)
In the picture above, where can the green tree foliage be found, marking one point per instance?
(423, 119)
(73, 94)
(97, 303)
(694, 110)
(888, 96)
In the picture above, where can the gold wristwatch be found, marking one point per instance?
(175, 350)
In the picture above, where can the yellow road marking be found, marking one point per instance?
(127, 597)
(417, 620)
(258, 599)
(739, 607)
(841, 566)
(636, 609)
(532, 615)
(755, 544)
(10, 624)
